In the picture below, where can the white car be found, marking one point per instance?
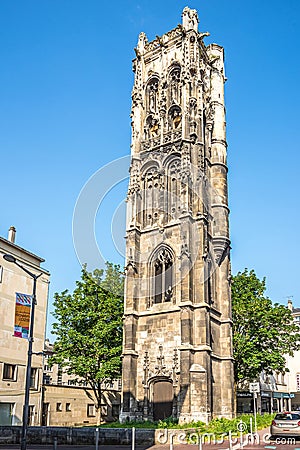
(286, 424)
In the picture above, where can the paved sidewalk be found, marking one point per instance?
(261, 442)
(176, 446)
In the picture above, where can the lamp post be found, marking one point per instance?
(12, 259)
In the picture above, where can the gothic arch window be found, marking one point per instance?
(151, 127)
(152, 94)
(173, 168)
(151, 185)
(174, 117)
(174, 85)
(163, 276)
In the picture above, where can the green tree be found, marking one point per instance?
(88, 329)
(263, 332)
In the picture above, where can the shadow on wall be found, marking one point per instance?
(182, 396)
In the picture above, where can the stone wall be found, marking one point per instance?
(76, 436)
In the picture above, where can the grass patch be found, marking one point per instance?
(216, 426)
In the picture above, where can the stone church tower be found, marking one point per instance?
(177, 356)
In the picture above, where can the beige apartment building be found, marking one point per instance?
(13, 349)
(293, 364)
(68, 401)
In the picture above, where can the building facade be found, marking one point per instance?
(278, 391)
(177, 358)
(273, 394)
(293, 365)
(13, 349)
(68, 401)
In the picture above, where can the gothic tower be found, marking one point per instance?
(177, 356)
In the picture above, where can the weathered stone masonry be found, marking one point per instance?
(177, 357)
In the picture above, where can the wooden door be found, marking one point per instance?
(162, 400)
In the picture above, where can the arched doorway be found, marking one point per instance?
(162, 399)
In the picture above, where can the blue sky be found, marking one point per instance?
(65, 84)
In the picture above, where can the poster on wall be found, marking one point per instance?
(22, 315)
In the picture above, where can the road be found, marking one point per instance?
(261, 442)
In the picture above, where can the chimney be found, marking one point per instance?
(12, 235)
(290, 304)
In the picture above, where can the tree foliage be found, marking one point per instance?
(88, 328)
(263, 333)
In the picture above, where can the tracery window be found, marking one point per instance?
(163, 276)
(173, 191)
(151, 92)
(151, 187)
(175, 117)
(174, 78)
(151, 128)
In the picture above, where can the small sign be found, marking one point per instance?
(254, 387)
(22, 315)
(286, 395)
(243, 394)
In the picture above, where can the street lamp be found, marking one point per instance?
(12, 259)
